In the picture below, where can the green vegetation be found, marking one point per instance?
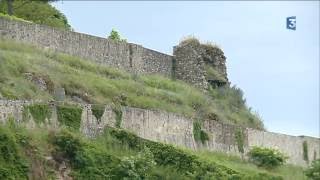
(103, 85)
(13, 18)
(12, 164)
(265, 157)
(305, 151)
(231, 102)
(198, 133)
(40, 12)
(69, 116)
(97, 111)
(115, 36)
(118, 112)
(213, 74)
(117, 154)
(239, 136)
(39, 112)
(313, 172)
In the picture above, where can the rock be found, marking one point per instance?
(59, 94)
(39, 81)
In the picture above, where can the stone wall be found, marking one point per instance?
(200, 64)
(127, 56)
(174, 129)
(189, 65)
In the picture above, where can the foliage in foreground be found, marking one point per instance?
(115, 154)
(12, 164)
(313, 172)
(266, 157)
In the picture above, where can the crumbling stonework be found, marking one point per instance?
(215, 63)
(189, 64)
(178, 130)
(200, 64)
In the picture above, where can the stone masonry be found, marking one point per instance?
(175, 129)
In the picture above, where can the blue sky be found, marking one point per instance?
(277, 68)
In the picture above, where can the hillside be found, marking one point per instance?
(27, 72)
(116, 154)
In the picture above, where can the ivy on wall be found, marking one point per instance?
(39, 112)
(198, 133)
(239, 136)
(97, 111)
(69, 116)
(305, 151)
(118, 111)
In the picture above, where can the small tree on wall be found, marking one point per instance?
(115, 36)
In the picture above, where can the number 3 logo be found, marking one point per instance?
(291, 23)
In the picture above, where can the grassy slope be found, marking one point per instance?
(29, 150)
(99, 84)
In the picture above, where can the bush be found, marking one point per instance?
(97, 111)
(313, 172)
(87, 160)
(39, 112)
(136, 167)
(265, 157)
(115, 36)
(70, 116)
(12, 165)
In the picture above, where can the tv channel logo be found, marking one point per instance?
(291, 23)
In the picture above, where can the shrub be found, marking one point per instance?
(12, 166)
(97, 111)
(39, 112)
(115, 36)
(136, 167)
(70, 116)
(265, 157)
(313, 172)
(87, 160)
(168, 155)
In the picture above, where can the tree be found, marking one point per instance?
(114, 35)
(39, 11)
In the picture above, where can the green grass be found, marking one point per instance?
(288, 172)
(69, 116)
(6, 16)
(24, 153)
(213, 74)
(103, 85)
(39, 112)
